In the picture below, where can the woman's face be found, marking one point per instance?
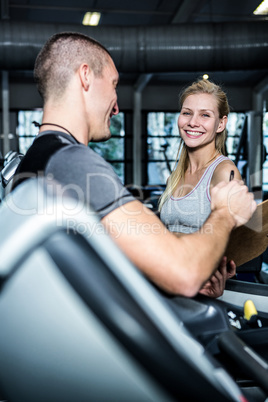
(199, 120)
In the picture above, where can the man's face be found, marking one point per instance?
(103, 103)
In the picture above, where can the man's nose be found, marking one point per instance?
(116, 108)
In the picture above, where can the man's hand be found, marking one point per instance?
(235, 198)
(216, 285)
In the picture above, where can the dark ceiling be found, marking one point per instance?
(125, 12)
(145, 13)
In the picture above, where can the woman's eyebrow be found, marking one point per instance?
(201, 110)
(207, 110)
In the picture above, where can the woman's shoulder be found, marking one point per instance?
(223, 170)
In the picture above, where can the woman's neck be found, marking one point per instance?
(199, 161)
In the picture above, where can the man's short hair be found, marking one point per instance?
(60, 58)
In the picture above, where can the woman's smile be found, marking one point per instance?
(193, 134)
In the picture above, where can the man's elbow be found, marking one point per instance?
(188, 291)
(189, 286)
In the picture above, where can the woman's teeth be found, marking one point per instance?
(194, 133)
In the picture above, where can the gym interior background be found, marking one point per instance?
(159, 47)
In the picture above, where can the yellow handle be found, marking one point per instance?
(249, 310)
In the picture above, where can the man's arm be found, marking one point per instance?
(180, 265)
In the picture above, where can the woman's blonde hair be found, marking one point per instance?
(198, 87)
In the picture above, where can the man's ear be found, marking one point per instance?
(222, 124)
(85, 76)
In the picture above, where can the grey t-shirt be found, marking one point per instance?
(86, 175)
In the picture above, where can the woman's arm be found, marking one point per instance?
(222, 173)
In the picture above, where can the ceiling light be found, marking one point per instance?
(262, 8)
(205, 77)
(91, 18)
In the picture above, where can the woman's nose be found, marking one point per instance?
(193, 121)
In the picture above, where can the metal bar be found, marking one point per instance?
(137, 178)
(5, 111)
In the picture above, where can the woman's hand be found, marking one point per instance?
(215, 286)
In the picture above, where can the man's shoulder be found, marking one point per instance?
(82, 157)
(59, 136)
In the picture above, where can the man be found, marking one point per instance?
(77, 79)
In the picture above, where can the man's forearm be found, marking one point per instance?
(217, 230)
(179, 265)
(207, 246)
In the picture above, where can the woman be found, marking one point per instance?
(185, 204)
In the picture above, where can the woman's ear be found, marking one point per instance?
(222, 124)
(85, 76)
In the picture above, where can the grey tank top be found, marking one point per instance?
(187, 214)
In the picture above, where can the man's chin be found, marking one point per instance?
(102, 138)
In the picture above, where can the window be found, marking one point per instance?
(235, 128)
(162, 146)
(27, 131)
(112, 150)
